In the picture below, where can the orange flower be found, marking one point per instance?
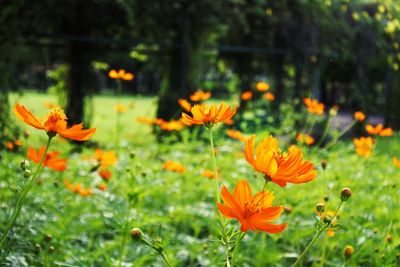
(364, 146)
(185, 104)
(105, 158)
(104, 173)
(396, 162)
(236, 135)
(253, 212)
(121, 74)
(120, 108)
(208, 115)
(229, 122)
(9, 145)
(379, 130)
(173, 125)
(102, 186)
(269, 96)
(280, 168)
(262, 86)
(314, 107)
(200, 96)
(208, 173)
(56, 123)
(174, 166)
(359, 116)
(85, 192)
(51, 160)
(247, 95)
(305, 139)
(18, 142)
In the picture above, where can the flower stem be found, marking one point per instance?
(124, 235)
(325, 132)
(23, 196)
(342, 132)
(215, 165)
(317, 234)
(165, 258)
(236, 247)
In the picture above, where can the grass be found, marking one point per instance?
(180, 208)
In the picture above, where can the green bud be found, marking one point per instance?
(24, 165)
(136, 234)
(345, 194)
(27, 174)
(320, 207)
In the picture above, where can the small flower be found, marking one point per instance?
(174, 166)
(185, 104)
(10, 145)
(102, 186)
(105, 158)
(51, 160)
(305, 139)
(396, 162)
(269, 96)
(262, 86)
(208, 173)
(56, 123)
(253, 212)
(208, 115)
(120, 108)
(314, 107)
(364, 146)
(121, 74)
(236, 135)
(173, 125)
(104, 173)
(200, 96)
(378, 130)
(247, 95)
(280, 168)
(359, 116)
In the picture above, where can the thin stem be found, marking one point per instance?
(124, 235)
(215, 165)
(23, 195)
(325, 132)
(236, 247)
(342, 132)
(165, 258)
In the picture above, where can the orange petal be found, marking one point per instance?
(76, 133)
(25, 115)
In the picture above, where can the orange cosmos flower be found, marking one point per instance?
(379, 130)
(247, 95)
(396, 162)
(120, 108)
(262, 86)
(236, 135)
(56, 123)
(121, 74)
(51, 160)
(200, 96)
(305, 139)
(102, 186)
(229, 122)
(104, 173)
(173, 125)
(268, 96)
(208, 173)
(105, 158)
(174, 166)
(364, 146)
(85, 192)
(253, 212)
(185, 104)
(280, 168)
(359, 116)
(9, 145)
(208, 115)
(313, 106)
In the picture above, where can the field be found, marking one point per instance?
(177, 210)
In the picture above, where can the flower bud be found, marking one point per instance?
(348, 252)
(27, 174)
(48, 237)
(389, 238)
(324, 164)
(38, 248)
(24, 165)
(136, 234)
(51, 249)
(320, 207)
(132, 155)
(327, 219)
(345, 194)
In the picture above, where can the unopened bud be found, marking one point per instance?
(24, 165)
(389, 238)
(132, 155)
(327, 219)
(136, 234)
(48, 237)
(324, 164)
(320, 207)
(27, 174)
(51, 249)
(287, 210)
(348, 252)
(345, 194)
(38, 248)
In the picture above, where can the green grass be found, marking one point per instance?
(181, 207)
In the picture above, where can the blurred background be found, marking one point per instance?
(341, 52)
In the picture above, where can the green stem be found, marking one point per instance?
(215, 165)
(23, 196)
(124, 235)
(265, 185)
(342, 132)
(236, 247)
(165, 258)
(321, 230)
(325, 132)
